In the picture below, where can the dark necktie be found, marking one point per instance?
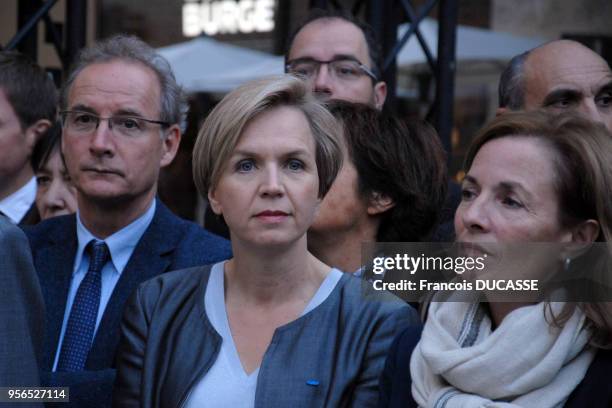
(82, 321)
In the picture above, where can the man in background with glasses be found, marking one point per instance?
(341, 59)
(339, 56)
(122, 115)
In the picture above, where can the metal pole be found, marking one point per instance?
(445, 73)
(321, 4)
(57, 40)
(384, 22)
(28, 25)
(76, 23)
(281, 26)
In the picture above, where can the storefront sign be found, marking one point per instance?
(227, 17)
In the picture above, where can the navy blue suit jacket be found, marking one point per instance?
(395, 387)
(169, 243)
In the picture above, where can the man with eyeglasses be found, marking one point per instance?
(339, 56)
(122, 114)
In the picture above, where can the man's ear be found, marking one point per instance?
(36, 131)
(380, 94)
(214, 204)
(170, 145)
(379, 203)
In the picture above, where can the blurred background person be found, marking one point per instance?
(244, 332)
(28, 107)
(559, 76)
(339, 57)
(22, 313)
(55, 193)
(391, 187)
(530, 177)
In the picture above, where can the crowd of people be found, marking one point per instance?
(109, 293)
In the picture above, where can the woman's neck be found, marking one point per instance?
(273, 276)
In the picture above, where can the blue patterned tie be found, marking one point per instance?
(82, 320)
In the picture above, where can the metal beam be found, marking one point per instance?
(383, 19)
(425, 10)
(76, 22)
(445, 73)
(30, 25)
(57, 40)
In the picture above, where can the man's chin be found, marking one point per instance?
(105, 197)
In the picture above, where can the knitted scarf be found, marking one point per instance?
(525, 362)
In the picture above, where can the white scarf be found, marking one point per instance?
(525, 362)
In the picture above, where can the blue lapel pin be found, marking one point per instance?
(313, 383)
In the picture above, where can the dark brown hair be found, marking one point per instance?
(28, 88)
(402, 160)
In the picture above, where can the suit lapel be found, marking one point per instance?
(31, 217)
(54, 264)
(152, 256)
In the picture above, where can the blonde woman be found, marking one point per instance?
(273, 326)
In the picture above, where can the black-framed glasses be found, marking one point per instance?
(82, 122)
(343, 69)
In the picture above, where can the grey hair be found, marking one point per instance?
(173, 104)
(512, 83)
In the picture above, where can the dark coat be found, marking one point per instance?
(395, 382)
(32, 217)
(595, 390)
(169, 243)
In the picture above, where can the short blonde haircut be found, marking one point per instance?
(223, 127)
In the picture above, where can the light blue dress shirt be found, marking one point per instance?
(121, 245)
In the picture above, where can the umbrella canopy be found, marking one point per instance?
(473, 44)
(206, 65)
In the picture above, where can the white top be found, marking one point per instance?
(226, 384)
(16, 205)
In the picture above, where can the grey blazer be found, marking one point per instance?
(330, 357)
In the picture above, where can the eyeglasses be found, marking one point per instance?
(86, 122)
(343, 69)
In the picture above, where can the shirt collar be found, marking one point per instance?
(16, 205)
(121, 244)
